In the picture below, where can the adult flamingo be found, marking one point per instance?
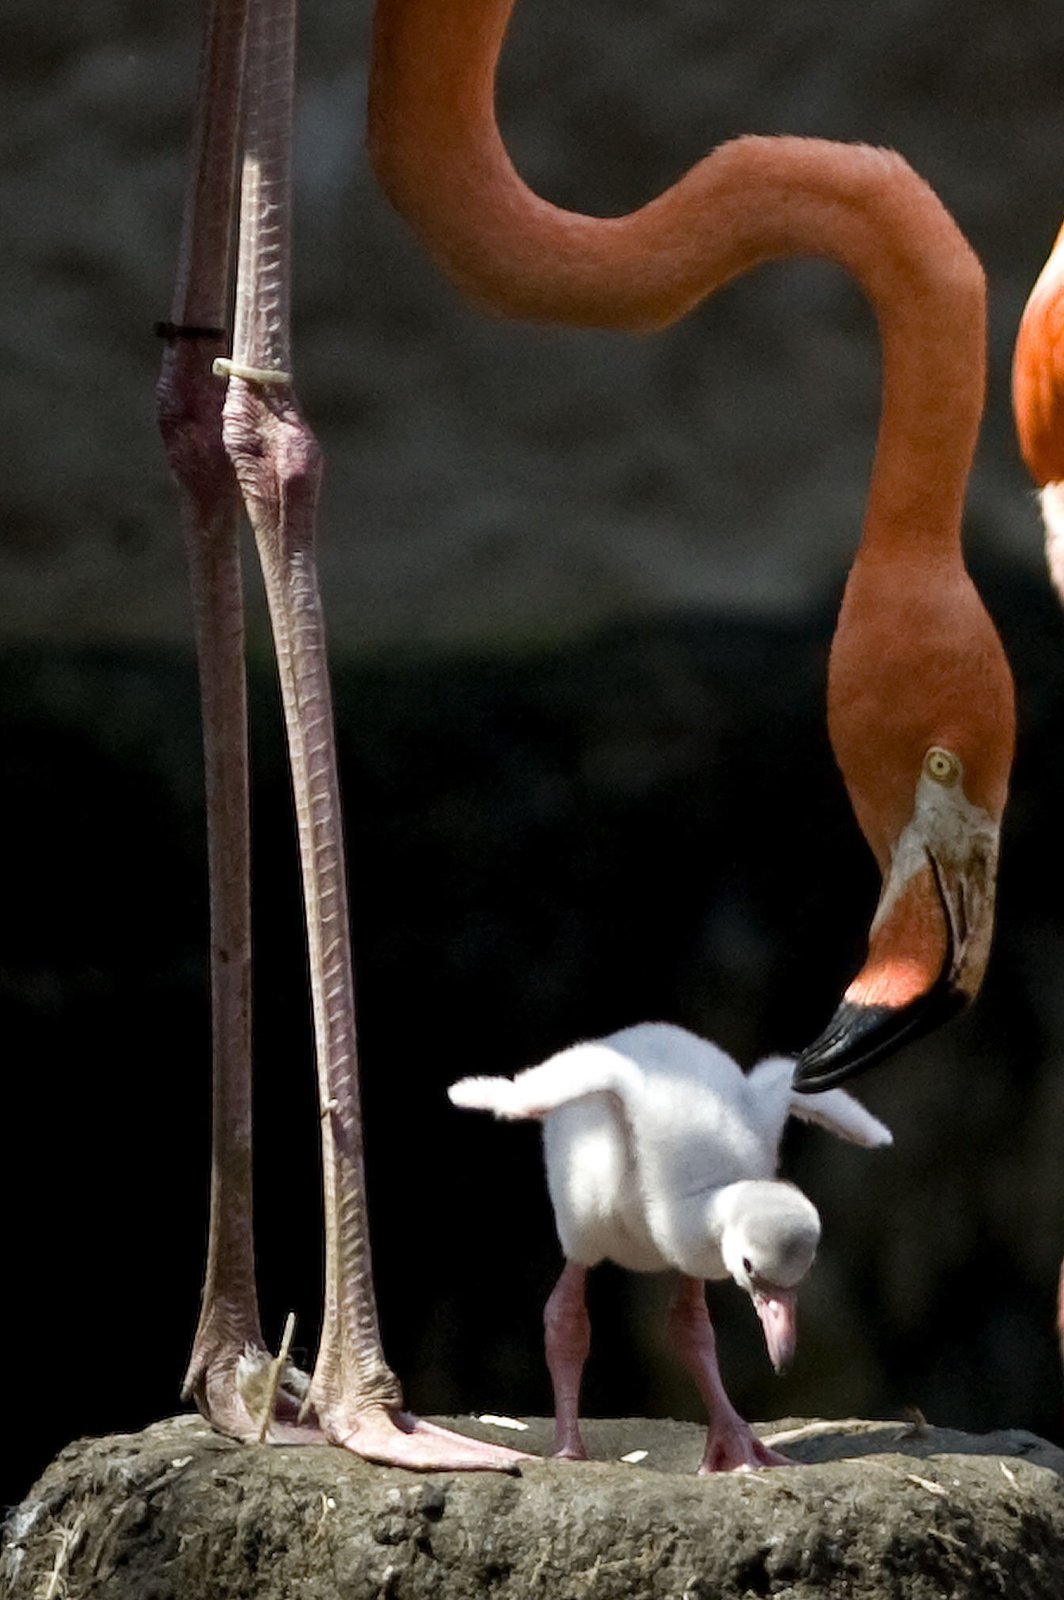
(928, 779)
(1038, 405)
(1038, 400)
(246, 441)
(920, 703)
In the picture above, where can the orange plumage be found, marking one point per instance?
(916, 663)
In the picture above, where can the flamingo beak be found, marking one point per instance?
(858, 1036)
(928, 950)
(776, 1310)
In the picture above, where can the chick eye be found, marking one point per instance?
(942, 765)
(748, 1265)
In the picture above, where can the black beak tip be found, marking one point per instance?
(858, 1036)
(846, 1046)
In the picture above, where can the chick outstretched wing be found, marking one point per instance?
(836, 1110)
(572, 1074)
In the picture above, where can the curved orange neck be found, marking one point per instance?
(438, 152)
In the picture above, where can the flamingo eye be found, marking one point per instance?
(942, 765)
(748, 1265)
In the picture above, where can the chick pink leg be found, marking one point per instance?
(567, 1338)
(731, 1443)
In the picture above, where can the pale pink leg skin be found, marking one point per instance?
(354, 1396)
(189, 402)
(567, 1337)
(360, 1396)
(731, 1444)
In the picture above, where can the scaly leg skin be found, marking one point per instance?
(354, 1396)
(731, 1444)
(567, 1337)
(189, 401)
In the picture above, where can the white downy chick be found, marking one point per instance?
(662, 1153)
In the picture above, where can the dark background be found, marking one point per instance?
(582, 591)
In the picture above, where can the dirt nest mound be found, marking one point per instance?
(875, 1509)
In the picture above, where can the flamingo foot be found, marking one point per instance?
(570, 1452)
(396, 1438)
(733, 1446)
(226, 1384)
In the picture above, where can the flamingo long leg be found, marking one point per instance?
(277, 463)
(189, 408)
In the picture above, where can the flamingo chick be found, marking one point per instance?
(662, 1153)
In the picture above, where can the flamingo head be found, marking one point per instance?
(920, 710)
(768, 1243)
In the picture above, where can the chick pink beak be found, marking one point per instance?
(777, 1309)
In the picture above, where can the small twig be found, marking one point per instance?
(946, 1538)
(68, 1540)
(223, 367)
(327, 1504)
(811, 1430)
(929, 1484)
(273, 1381)
(168, 1474)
